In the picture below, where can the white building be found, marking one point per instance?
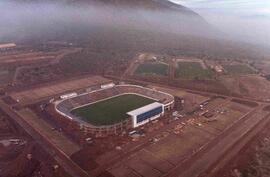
(107, 86)
(145, 114)
(69, 95)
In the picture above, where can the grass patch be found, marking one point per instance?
(244, 102)
(112, 110)
(239, 69)
(152, 69)
(193, 70)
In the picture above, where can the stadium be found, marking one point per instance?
(113, 108)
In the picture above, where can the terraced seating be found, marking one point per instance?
(67, 105)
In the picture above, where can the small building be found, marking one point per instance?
(7, 46)
(145, 114)
(107, 86)
(219, 69)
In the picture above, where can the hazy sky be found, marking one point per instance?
(245, 19)
(241, 8)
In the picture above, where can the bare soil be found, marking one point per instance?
(251, 86)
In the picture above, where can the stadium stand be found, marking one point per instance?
(65, 106)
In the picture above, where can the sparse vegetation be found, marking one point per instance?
(267, 77)
(244, 102)
(259, 165)
(193, 71)
(101, 62)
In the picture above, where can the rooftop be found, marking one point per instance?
(144, 109)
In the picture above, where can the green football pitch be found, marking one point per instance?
(192, 70)
(112, 110)
(238, 69)
(152, 69)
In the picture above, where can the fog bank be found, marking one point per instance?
(250, 29)
(20, 21)
(26, 20)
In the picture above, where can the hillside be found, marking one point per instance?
(147, 4)
(143, 15)
(150, 4)
(125, 26)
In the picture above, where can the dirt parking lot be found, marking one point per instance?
(37, 94)
(175, 144)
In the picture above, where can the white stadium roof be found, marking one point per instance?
(144, 109)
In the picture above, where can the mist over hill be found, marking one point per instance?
(29, 18)
(120, 25)
(147, 4)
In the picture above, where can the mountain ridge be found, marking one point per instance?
(150, 4)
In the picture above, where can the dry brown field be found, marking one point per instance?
(37, 94)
